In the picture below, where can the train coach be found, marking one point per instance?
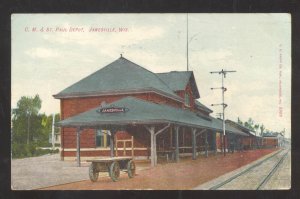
(271, 140)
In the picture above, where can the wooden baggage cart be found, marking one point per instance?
(113, 166)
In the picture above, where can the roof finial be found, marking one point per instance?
(121, 55)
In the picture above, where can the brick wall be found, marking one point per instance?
(87, 138)
(219, 140)
(270, 142)
(73, 106)
(105, 153)
(188, 90)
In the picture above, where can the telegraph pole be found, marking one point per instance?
(187, 42)
(52, 132)
(219, 115)
(223, 73)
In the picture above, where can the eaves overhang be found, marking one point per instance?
(116, 92)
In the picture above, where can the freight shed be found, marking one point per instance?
(271, 140)
(252, 141)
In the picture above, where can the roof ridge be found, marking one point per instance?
(170, 74)
(176, 72)
(88, 76)
(153, 74)
(161, 86)
(231, 121)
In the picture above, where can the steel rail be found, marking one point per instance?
(273, 170)
(243, 172)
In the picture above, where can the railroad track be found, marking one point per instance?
(256, 176)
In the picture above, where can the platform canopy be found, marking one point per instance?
(131, 111)
(134, 111)
(202, 106)
(244, 129)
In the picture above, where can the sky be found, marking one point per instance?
(52, 51)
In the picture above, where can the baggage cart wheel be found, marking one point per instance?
(114, 171)
(131, 169)
(93, 173)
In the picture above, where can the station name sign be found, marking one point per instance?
(113, 110)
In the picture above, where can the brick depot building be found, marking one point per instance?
(125, 110)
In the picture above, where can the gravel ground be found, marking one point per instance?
(44, 171)
(186, 174)
(250, 180)
(282, 177)
(49, 170)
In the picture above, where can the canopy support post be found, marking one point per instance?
(206, 143)
(78, 132)
(176, 144)
(194, 143)
(112, 134)
(151, 130)
(215, 142)
(153, 135)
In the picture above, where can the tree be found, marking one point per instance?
(283, 132)
(249, 124)
(27, 110)
(47, 128)
(262, 129)
(256, 127)
(239, 121)
(30, 129)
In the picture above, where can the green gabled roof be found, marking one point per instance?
(202, 106)
(178, 80)
(238, 125)
(120, 76)
(141, 112)
(241, 127)
(231, 129)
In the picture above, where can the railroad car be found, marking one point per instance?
(270, 142)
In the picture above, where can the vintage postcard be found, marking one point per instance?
(151, 101)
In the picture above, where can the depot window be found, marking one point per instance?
(102, 138)
(187, 99)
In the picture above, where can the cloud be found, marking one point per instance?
(108, 44)
(159, 44)
(66, 37)
(139, 34)
(41, 52)
(211, 57)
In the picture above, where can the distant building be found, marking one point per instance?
(252, 141)
(57, 139)
(274, 138)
